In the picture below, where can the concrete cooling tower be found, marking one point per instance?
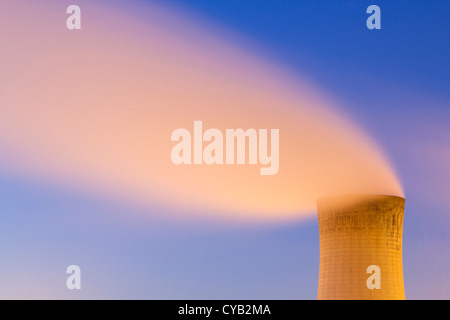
(361, 247)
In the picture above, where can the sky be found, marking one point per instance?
(391, 84)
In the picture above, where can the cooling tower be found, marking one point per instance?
(361, 247)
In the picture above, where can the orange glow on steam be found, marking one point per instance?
(95, 109)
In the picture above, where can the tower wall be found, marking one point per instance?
(357, 232)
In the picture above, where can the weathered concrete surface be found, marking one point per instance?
(355, 232)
